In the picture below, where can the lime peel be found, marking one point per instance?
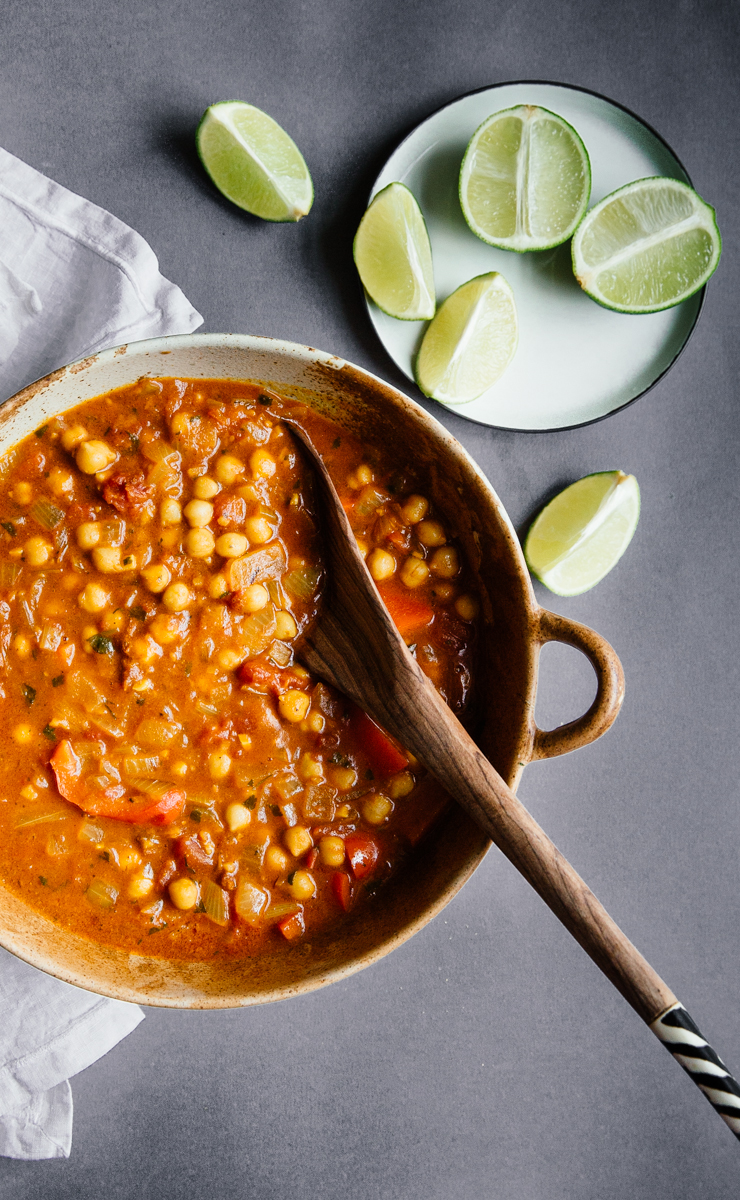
(583, 532)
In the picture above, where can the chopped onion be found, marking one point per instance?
(51, 637)
(276, 593)
(250, 902)
(90, 832)
(158, 451)
(25, 822)
(280, 654)
(258, 631)
(112, 533)
(153, 787)
(216, 903)
(369, 499)
(302, 582)
(319, 803)
(46, 513)
(287, 786)
(208, 710)
(9, 572)
(139, 765)
(281, 908)
(102, 895)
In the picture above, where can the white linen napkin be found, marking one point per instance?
(73, 280)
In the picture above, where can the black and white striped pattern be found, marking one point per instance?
(679, 1035)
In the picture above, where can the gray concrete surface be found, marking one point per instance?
(487, 1058)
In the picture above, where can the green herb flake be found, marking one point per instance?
(9, 527)
(101, 643)
(134, 443)
(40, 432)
(104, 855)
(49, 733)
(140, 700)
(128, 561)
(266, 400)
(339, 760)
(138, 612)
(275, 810)
(369, 774)
(195, 816)
(187, 668)
(43, 881)
(336, 443)
(29, 694)
(250, 801)
(57, 681)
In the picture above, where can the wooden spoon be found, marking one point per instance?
(354, 645)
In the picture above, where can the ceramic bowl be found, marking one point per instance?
(514, 630)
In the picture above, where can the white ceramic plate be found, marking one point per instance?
(576, 362)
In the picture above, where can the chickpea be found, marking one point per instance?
(309, 769)
(217, 587)
(414, 509)
(156, 577)
(430, 533)
(364, 474)
(205, 488)
(262, 465)
(293, 705)
(61, 483)
(23, 493)
(253, 598)
(200, 543)
(22, 645)
(445, 562)
(443, 592)
(184, 893)
(109, 559)
(145, 650)
(219, 764)
(276, 860)
(331, 851)
(231, 545)
(94, 598)
(381, 564)
(467, 607)
(170, 512)
(229, 468)
(179, 768)
(285, 626)
(228, 659)
(29, 792)
(23, 734)
(167, 629)
(258, 530)
(177, 597)
(414, 572)
(315, 722)
(95, 456)
(88, 633)
(401, 785)
(377, 809)
(88, 534)
(302, 885)
(180, 423)
(72, 437)
(238, 817)
(37, 551)
(198, 513)
(298, 840)
(342, 778)
(140, 886)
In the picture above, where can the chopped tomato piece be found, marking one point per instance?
(363, 853)
(265, 677)
(312, 858)
(114, 801)
(385, 756)
(292, 927)
(193, 852)
(340, 886)
(407, 612)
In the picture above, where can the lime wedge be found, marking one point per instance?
(581, 534)
(470, 342)
(251, 159)
(647, 246)
(393, 255)
(525, 179)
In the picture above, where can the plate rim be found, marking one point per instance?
(568, 87)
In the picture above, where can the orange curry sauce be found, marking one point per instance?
(174, 782)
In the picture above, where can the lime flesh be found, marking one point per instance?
(253, 162)
(581, 534)
(470, 342)
(393, 255)
(525, 179)
(647, 246)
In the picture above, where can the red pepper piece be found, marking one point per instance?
(340, 886)
(292, 927)
(385, 756)
(363, 853)
(114, 801)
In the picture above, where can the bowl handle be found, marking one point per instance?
(609, 688)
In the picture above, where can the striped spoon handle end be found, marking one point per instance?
(682, 1039)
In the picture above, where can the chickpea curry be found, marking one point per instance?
(175, 782)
